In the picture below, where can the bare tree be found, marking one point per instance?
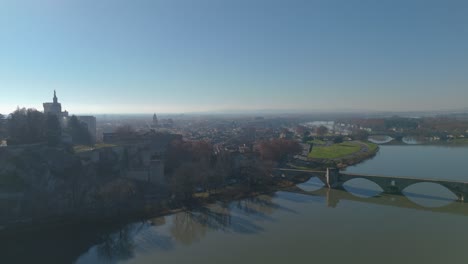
(124, 131)
(322, 130)
(278, 149)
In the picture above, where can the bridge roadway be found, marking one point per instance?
(335, 179)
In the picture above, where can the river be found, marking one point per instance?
(322, 226)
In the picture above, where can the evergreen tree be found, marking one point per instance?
(2, 126)
(53, 130)
(79, 131)
(26, 126)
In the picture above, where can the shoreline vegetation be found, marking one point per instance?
(362, 151)
(156, 209)
(95, 183)
(228, 193)
(145, 211)
(338, 155)
(193, 186)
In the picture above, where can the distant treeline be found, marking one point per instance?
(426, 126)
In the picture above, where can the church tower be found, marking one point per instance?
(55, 98)
(155, 121)
(53, 108)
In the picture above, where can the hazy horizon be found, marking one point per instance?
(226, 56)
(272, 112)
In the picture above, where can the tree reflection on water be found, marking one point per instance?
(187, 227)
(121, 242)
(237, 217)
(121, 245)
(118, 246)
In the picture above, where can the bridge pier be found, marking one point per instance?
(333, 178)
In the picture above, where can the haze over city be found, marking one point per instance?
(213, 56)
(233, 131)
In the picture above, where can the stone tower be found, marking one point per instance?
(53, 108)
(155, 121)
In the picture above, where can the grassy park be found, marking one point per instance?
(341, 150)
(316, 142)
(372, 146)
(84, 148)
(334, 151)
(459, 141)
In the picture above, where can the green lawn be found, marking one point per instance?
(83, 148)
(316, 142)
(334, 151)
(372, 146)
(104, 145)
(461, 141)
(299, 167)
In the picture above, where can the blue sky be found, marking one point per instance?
(120, 56)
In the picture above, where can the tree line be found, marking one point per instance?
(192, 166)
(29, 126)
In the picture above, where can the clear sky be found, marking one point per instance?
(122, 56)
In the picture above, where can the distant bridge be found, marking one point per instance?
(334, 179)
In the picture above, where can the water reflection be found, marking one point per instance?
(259, 207)
(190, 226)
(249, 216)
(424, 194)
(418, 161)
(117, 246)
(362, 188)
(253, 217)
(312, 184)
(360, 221)
(412, 140)
(185, 228)
(122, 244)
(380, 139)
(410, 200)
(418, 193)
(235, 217)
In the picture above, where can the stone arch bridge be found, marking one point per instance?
(335, 179)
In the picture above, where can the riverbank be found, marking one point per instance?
(151, 209)
(249, 228)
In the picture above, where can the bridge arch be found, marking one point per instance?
(362, 187)
(313, 184)
(430, 194)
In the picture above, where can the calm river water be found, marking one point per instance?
(322, 226)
